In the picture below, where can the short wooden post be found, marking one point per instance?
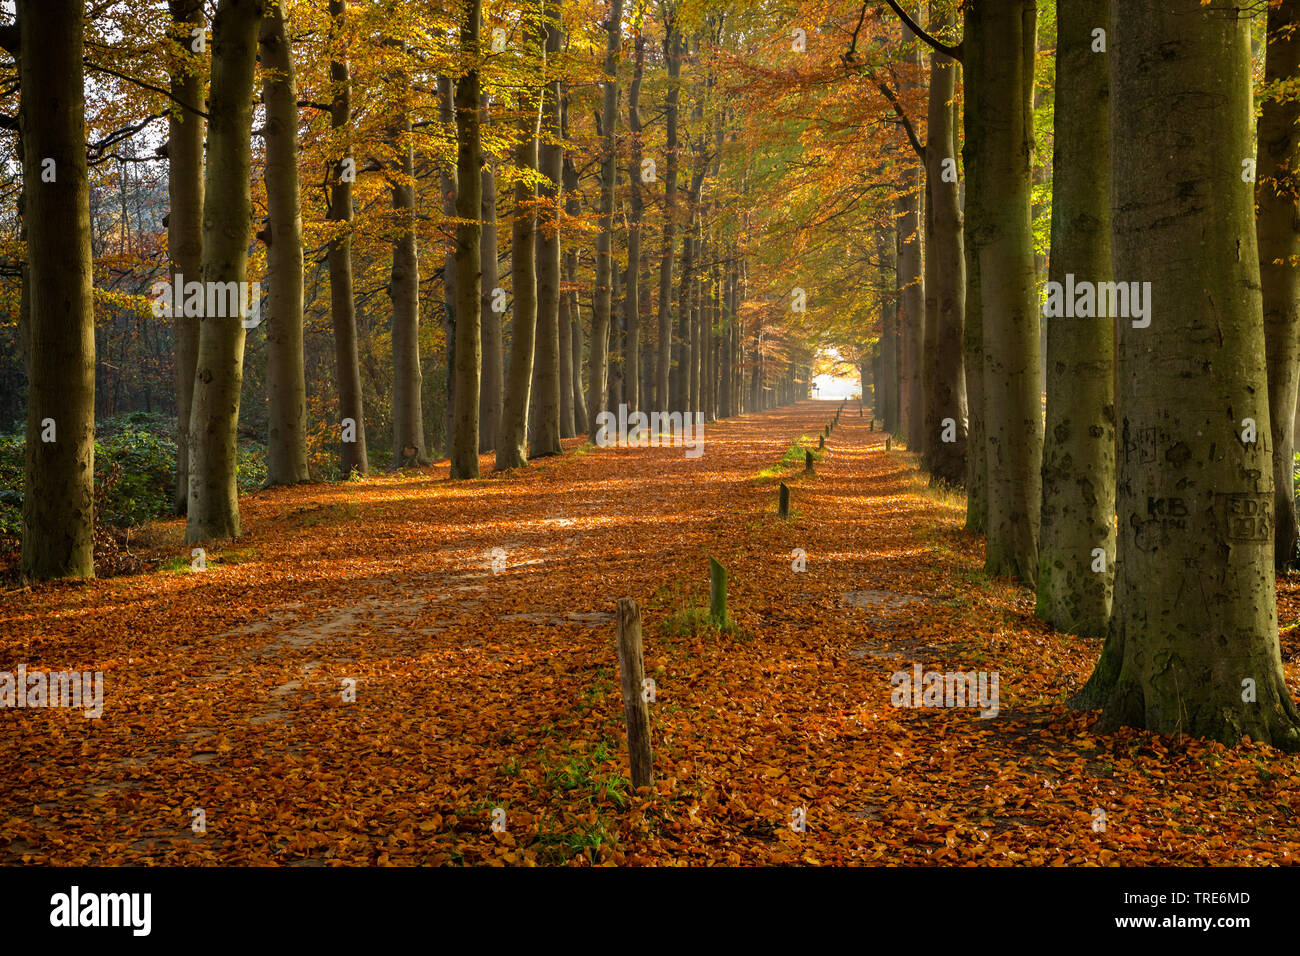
(807, 461)
(887, 443)
(631, 670)
(821, 442)
(873, 425)
(783, 506)
(717, 593)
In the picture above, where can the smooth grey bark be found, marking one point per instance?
(664, 362)
(185, 220)
(404, 291)
(59, 470)
(944, 378)
(492, 383)
(544, 411)
(343, 307)
(1194, 644)
(213, 510)
(1079, 443)
(512, 436)
(286, 446)
(973, 111)
(1012, 372)
(598, 360)
(1277, 194)
(636, 203)
(573, 207)
(468, 252)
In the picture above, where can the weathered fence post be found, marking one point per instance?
(783, 507)
(821, 441)
(807, 461)
(717, 593)
(635, 708)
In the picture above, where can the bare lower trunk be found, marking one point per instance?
(1194, 645)
(343, 309)
(59, 477)
(544, 413)
(469, 236)
(286, 447)
(185, 222)
(492, 385)
(213, 510)
(1075, 583)
(1012, 373)
(1278, 229)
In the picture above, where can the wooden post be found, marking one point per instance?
(873, 425)
(783, 507)
(887, 443)
(821, 442)
(807, 461)
(632, 673)
(717, 593)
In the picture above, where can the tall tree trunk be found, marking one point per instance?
(1278, 230)
(945, 277)
(448, 180)
(492, 385)
(343, 308)
(597, 364)
(185, 220)
(1074, 586)
(973, 107)
(469, 237)
(632, 301)
(890, 394)
(286, 447)
(544, 415)
(1194, 644)
(59, 476)
(404, 290)
(573, 207)
(1012, 370)
(512, 437)
(664, 363)
(227, 230)
(727, 319)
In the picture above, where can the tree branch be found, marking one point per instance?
(953, 51)
(907, 124)
(142, 84)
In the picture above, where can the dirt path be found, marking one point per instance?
(481, 687)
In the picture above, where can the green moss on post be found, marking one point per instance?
(718, 592)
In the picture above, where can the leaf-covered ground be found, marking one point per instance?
(478, 690)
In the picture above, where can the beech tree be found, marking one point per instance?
(185, 216)
(227, 230)
(1077, 537)
(343, 309)
(1194, 646)
(286, 447)
(1278, 231)
(469, 236)
(59, 474)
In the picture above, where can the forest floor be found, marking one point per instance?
(477, 690)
